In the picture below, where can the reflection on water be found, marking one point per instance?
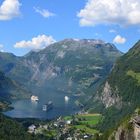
(34, 103)
(62, 105)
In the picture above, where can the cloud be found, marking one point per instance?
(1, 48)
(112, 31)
(39, 42)
(44, 12)
(119, 39)
(119, 12)
(9, 9)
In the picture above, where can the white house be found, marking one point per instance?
(31, 128)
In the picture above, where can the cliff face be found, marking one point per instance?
(137, 132)
(122, 134)
(128, 130)
(110, 97)
(120, 92)
(123, 83)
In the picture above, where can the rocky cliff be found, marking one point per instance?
(109, 97)
(128, 130)
(124, 83)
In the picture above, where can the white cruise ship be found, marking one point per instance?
(34, 98)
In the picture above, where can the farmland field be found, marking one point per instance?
(85, 122)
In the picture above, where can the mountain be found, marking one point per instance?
(9, 90)
(124, 79)
(72, 65)
(11, 64)
(120, 92)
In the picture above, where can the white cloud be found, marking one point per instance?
(9, 9)
(120, 12)
(39, 42)
(119, 39)
(1, 48)
(44, 12)
(112, 31)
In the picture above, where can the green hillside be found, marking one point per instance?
(120, 95)
(13, 130)
(10, 90)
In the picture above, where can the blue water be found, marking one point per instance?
(28, 109)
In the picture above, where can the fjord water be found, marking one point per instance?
(28, 109)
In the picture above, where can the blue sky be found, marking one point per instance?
(62, 19)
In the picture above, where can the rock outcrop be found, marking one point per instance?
(129, 130)
(109, 97)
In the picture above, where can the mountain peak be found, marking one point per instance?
(94, 41)
(135, 50)
(137, 45)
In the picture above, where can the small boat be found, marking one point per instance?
(48, 106)
(34, 98)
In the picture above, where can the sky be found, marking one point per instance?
(34, 24)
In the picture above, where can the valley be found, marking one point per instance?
(70, 70)
(70, 67)
(81, 126)
(98, 106)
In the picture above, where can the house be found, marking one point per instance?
(45, 126)
(61, 123)
(68, 122)
(69, 138)
(86, 137)
(31, 129)
(55, 124)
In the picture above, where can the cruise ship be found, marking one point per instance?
(66, 98)
(48, 106)
(34, 98)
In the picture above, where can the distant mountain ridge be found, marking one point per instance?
(71, 65)
(9, 90)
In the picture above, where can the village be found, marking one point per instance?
(80, 126)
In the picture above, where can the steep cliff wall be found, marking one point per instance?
(110, 97)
